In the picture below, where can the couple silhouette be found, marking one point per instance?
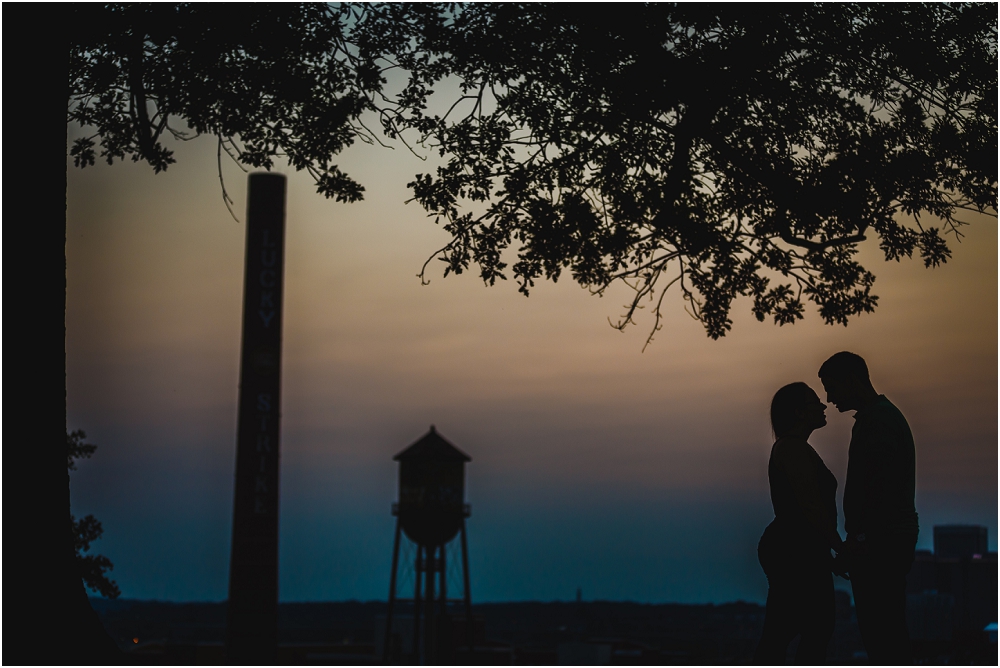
(796, 550)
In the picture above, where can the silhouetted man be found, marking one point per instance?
(879, 513)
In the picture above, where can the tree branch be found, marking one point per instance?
(138, 92)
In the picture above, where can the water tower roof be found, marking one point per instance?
(432, 447)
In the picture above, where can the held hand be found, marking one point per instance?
(855, 546)
(835, 542)
(841, 566)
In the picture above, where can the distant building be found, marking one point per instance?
(960, 541)
(954, 588)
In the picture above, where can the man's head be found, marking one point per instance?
(845, 379)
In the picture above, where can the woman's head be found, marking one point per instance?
(796, 410)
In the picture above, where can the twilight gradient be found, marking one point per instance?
(632, 475)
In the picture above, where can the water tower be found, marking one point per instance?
(431, 511)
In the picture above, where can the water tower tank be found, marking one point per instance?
(431, 489)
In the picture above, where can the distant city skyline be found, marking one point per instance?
(632, 475)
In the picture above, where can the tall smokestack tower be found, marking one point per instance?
(252, 618)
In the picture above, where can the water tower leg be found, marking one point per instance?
(386, 649)
(443, 592)
(416, 604)
(445, 649)
(430, 646)
(469, 631)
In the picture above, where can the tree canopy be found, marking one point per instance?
(269, 81)
(728, 150)
(731, 150)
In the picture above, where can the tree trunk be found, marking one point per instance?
(49, 619)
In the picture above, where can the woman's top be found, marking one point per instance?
(804, 497)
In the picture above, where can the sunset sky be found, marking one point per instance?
(632, 475)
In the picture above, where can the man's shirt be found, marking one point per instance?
(881, 473)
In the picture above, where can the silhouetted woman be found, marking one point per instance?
(795, 548)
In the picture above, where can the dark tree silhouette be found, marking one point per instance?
(92, 567)
(732, 150)
(727, 145)
(78, 448)
(271, 82)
